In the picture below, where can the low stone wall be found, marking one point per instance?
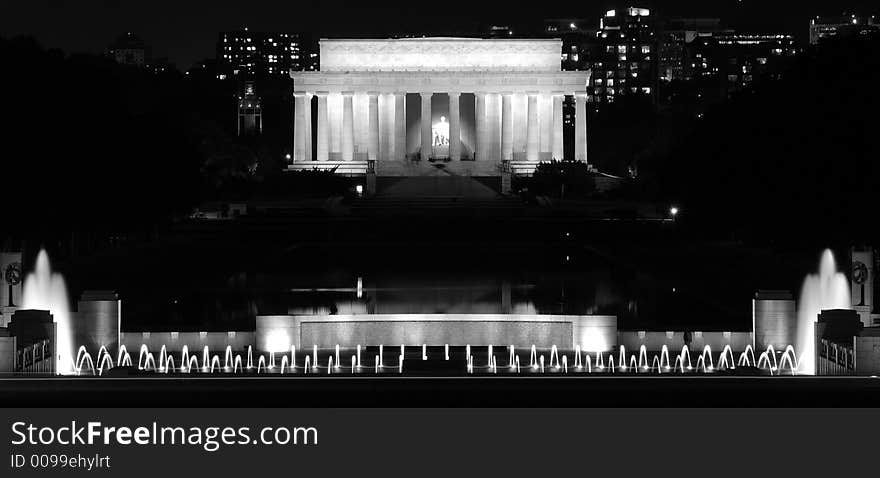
(280, 332)
(194, 341)
(7, 354)
(674, 341)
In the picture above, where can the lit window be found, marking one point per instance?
(646, 49)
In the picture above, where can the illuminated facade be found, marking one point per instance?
(628, 62)
(262, 55)
(676, 36)
(502, 100)
(250, 111)
(129, 49)
(827, 27)
(733, 62)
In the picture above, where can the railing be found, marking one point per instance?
(344, 168)
(35, 358)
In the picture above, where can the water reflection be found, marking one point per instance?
(215, 298)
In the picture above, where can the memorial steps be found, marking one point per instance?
(435, 194)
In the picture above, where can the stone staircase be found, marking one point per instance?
(399, 168)
(437, 194)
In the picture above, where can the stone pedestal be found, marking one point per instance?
(6, 315)
(774, 320)
(7, 351)
(98, 322)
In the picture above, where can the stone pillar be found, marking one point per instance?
(480, 123)
(307, 127)
(323, 128)
(399, 126)
(373, 123)
(580, 127)
(347, 126)
(427, 149)
(299, 136)
(507, 126)
(454, 126)
(545, 117)
(533, 137)
(386, 126)
(556, 125)
(493, 118)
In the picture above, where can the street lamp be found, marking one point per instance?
(673, 211)
(287, 156)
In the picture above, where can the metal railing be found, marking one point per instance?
(35, 358)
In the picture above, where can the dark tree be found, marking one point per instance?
(794, 161)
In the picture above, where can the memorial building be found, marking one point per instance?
(477, 105)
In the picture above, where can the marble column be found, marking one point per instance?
(580, 127)
(399, 126)
(373, 126)
(480, 122)
(507, 126)
(557, 127)
(427, 137)
(307, 127)
(299, 126)
(545, 119)
(533, 137)
(493, 116)
(386, 126)
(347, 126)
(323, 149)
(454, 126)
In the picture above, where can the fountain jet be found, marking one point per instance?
(828, 289)
(46, 290)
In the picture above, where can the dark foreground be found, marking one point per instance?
(665, 391)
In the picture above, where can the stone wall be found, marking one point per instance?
(194, 341)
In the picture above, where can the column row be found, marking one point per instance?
(371, 126)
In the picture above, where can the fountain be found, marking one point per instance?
(828, 289)
(45, 290)
(770, 362)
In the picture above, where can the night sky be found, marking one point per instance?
(185, 31)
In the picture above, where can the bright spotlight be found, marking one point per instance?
(673, 211)
(359, 189)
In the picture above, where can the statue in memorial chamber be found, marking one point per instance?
(441, 132)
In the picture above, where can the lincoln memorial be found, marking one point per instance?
(475, 104)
